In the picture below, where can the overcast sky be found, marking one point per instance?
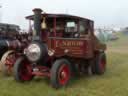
(103, 12)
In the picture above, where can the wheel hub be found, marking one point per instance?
(63, 74)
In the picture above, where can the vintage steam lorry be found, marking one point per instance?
(61, 46)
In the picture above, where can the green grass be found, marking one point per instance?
(113, 83)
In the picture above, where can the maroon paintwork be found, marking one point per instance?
(82, 47)
(67, 43)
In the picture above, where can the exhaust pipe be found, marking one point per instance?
(37, 23)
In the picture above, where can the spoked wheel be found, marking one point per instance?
(60, 73)
(100, 63)
(22, 70)
(7, 62)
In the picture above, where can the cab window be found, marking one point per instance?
(83, 28)
(71, 26)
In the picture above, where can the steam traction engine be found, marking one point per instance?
(61, 45)
(7, 33)
(11, 50)
(10, 42)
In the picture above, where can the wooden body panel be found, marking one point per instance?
(72, 47)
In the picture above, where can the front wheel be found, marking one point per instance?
(60, 73)
(22, 70)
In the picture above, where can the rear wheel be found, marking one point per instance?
(7, 62)
(22, 70)
(60, 73)
(100, 63)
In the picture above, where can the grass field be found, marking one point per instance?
(113, 83)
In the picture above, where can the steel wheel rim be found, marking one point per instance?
(64, 74)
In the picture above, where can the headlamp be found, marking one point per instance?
(33, 52)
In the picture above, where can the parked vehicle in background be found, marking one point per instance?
(11, 41)
(7, 32)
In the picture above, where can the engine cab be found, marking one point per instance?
(67, 35)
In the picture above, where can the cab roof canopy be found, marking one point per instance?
(60, 16)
